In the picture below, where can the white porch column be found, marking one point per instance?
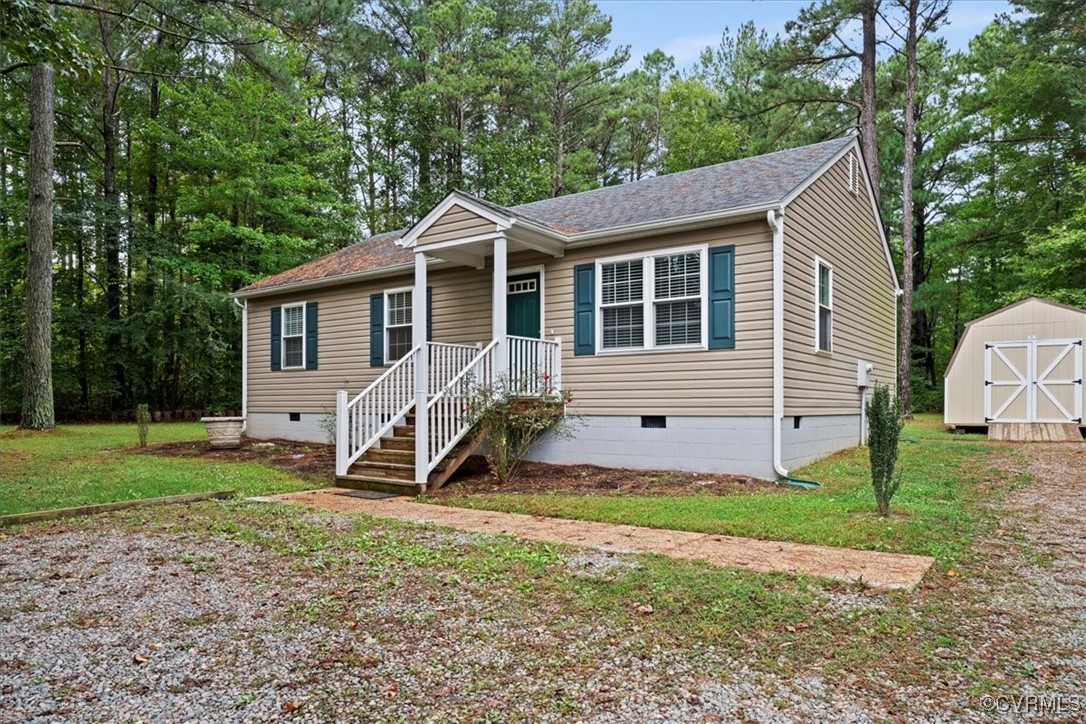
(418, 338)
(499, 331)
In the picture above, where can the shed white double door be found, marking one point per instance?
(1033, 381)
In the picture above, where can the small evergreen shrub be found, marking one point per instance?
(515, 421)
(884, 431)
(143, 423)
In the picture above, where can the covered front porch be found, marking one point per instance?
(413, 424)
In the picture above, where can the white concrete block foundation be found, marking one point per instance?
(734, 445)
(278, 425)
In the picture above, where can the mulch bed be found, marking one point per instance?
(316, 462)
(474, 478)
(309, 461)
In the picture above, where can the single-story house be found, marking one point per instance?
(1019, 364)
(721, 319)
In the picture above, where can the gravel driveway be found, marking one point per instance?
(176, 617)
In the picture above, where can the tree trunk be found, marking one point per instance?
(112, 237)
(868, 112)
(37, 408)
(924, 328)
(906, 337)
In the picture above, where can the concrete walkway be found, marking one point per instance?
(877, 570)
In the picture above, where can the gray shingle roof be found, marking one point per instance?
(733, 185)
(755, 181)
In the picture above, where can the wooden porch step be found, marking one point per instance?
(380, 484)
(398, 471)
(374, 459)
(398, 443)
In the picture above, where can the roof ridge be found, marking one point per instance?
(689, 171)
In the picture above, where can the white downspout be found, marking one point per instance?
(244, 363)
(776, 222)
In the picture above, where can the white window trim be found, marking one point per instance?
(384, 331)
(283, 336)
(649, 300)
(818, 264)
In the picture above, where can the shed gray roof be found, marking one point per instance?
(755, 181)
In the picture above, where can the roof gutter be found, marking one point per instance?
(775, 217)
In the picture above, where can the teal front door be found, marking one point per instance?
(522, 305)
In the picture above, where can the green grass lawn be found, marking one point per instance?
(933, 512)
(775, 623)
(84, 464)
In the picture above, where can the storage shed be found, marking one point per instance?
(1019, 364)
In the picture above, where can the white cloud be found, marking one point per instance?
(688, 48)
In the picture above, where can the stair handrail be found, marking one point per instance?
(353, 429)
(409, 357)
(487, 350)
(447, 418)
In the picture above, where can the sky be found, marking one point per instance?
(683, 28)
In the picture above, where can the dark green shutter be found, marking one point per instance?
(722, 297)
(311, 335)
(276, 338)
(584, 309)
(377, 330)
(429, 314)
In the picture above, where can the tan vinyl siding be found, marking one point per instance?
(461, 315)
(456, 223)
(964, 404)
(828, 221)
(694, 382)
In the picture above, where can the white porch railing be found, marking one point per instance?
(454, 374)
(446, 361)
(448, 413)
(361, 422)
(533, 368)
(534, 365)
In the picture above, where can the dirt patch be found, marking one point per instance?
(309, 461)
(317, 462)
(474, 478)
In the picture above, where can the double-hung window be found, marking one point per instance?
(653, 302)
(823, 306)
(623, 304)
(677, 291)
(398, 321)
(293, 333)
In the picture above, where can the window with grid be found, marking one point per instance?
(398, 321)
(824, 318)
(293, 333)
(622, 296)
(677, 291)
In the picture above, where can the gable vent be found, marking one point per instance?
(853, 174)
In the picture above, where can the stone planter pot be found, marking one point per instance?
(224, 432)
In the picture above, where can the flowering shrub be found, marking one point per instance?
(515, 415)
